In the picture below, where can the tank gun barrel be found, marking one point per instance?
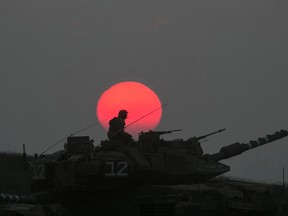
(237, 148)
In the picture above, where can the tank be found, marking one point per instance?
(151, 176)
(117, 165)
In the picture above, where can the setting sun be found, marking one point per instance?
(137, 99)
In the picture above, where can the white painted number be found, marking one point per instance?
(116, 168)
(37, 171)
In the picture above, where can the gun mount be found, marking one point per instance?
(153, 136)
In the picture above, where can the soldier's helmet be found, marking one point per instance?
(123, 114)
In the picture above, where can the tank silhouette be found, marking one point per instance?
(115, 165)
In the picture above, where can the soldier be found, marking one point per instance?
(117, 126)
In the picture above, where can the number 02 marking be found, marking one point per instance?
(116, 168)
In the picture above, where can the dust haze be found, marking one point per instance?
(219, 64)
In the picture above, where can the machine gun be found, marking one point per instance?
(151, 136)
(163, 132)
(197, 139)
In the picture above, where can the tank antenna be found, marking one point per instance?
(72, 134)
(146, 115)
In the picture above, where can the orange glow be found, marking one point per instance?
(134, 97)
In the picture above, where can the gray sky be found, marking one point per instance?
(220, 64)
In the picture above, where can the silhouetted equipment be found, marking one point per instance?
(161, 132)
(237, 148)
(153, 135)
(149, 161)
(151, 176)
(210, 134)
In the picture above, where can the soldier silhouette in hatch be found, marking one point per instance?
(117, 126)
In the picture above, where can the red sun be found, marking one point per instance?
(137, 99)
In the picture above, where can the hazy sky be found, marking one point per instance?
(220, 64)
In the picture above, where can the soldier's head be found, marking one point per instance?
(122, 114)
